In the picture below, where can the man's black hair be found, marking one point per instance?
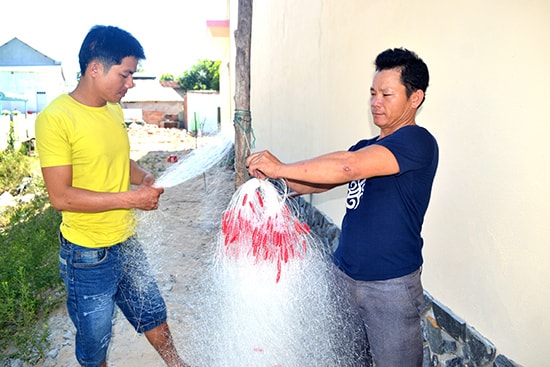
(108, 45)
(414, 71)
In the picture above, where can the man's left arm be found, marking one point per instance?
(139, 176)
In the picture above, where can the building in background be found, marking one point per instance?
(150, 102)
(29, 80)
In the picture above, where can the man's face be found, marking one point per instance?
(390, 107)
(114, 84)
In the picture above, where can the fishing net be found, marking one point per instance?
(270, 297)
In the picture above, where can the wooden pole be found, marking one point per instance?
(242, 120)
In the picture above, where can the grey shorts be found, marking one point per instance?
(391, 311)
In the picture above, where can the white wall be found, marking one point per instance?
(27, 81)
(202, 111)
(5, 122)
(487, 232)
(23, 129)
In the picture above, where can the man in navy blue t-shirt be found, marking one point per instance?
(389, 181)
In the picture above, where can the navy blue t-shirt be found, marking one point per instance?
(381, 231)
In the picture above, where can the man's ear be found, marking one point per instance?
(94, 68)
(417, 97)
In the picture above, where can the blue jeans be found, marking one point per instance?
(98, 278)
(390, 310)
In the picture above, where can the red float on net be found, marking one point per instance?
(260, 225)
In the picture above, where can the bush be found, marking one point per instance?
(28, 254)
(14, 166)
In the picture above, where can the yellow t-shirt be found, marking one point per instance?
(94, 141)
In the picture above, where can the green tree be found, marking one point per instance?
(167, 77)
(205, 75)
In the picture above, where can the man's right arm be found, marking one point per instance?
(326, 171)
(64, 196)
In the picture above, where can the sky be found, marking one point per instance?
(172, 33)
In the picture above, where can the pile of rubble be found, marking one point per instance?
(150, 138)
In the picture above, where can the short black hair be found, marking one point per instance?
(414, 71)
(108, 45)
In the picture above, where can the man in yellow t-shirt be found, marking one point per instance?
(84, 152)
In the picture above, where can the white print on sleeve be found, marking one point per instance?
(355, 192)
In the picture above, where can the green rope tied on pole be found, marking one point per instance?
(244, 131)
(242, 118)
